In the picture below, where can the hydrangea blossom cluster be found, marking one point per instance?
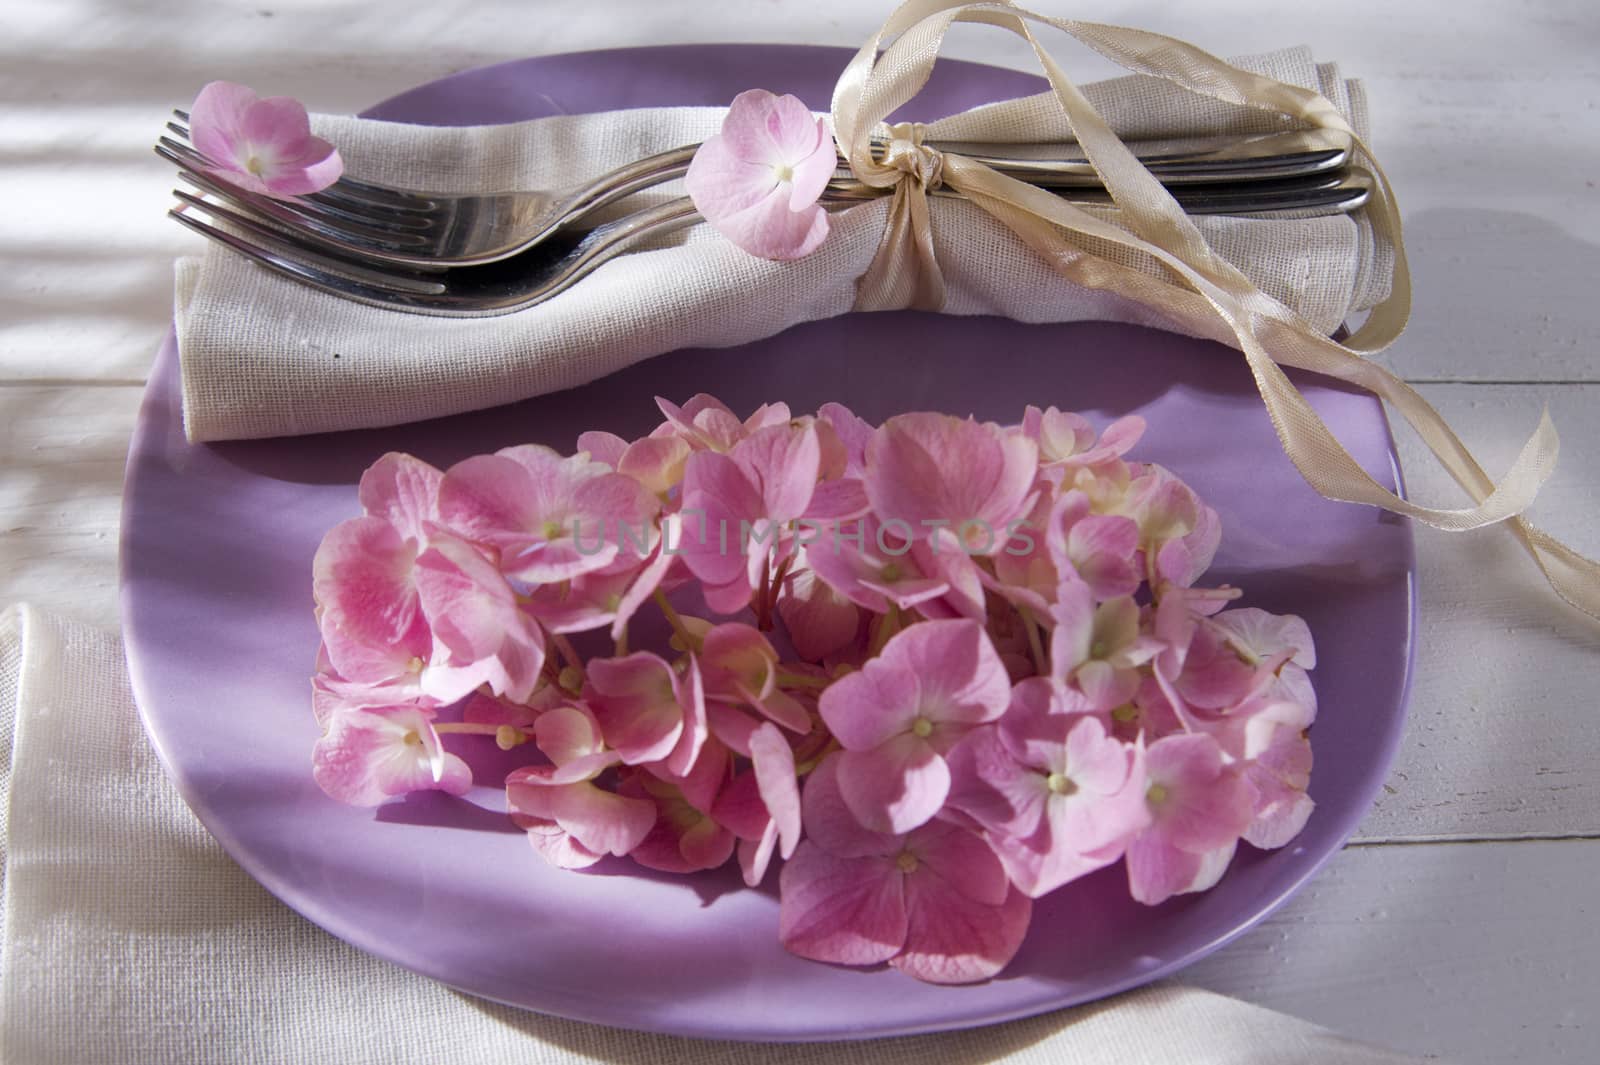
(937, 667)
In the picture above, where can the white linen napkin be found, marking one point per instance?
(262, 356)
(128, 935)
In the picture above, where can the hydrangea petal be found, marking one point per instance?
(555, 844)
(603, 447)
(635, 701)
(1157, 870)
(783, 461)
(951, 939)
(850, 911)
(819, 620)
(962, 859)
(362, 578)
(830, 823)
(1037, 867)
(602, 821)
(773, 760)
(895, 786)
(991, 786)
(402, 490)
(872, 705)
(215, 118)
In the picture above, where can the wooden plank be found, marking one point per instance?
(1502, 739)
(1482, 953)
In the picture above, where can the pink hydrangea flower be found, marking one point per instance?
(759, 179)
(934, 903)
(1068, 439)
(1274, 754)
(899, 714)
(683, 838)
(550, 518)
(1151, 720)
(1199, 807)
(738, 509)
(1056, 795)
(363, 578)
(708, 424)
(373, 628)
(264, 146)
(1179, 530)
(1099, 647)
(570, 820)
(1279, 643)
(369, 755)
(587, 601)
(739, 666)
(935, 472)
(647, 712)
(482, 634)
(1102, 550)
(871, 566)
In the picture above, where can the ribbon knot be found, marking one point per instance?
(908, 154)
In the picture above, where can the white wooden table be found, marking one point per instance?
(1463, 921)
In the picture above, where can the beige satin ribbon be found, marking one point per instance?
(1182, 275)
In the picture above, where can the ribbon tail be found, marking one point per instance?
(905, 271)
(1574, 578)
(1152, 252)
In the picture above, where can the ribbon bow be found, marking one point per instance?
(1151, 250)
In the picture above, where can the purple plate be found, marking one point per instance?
(216, 564)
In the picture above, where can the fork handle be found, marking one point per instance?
(1176, 161)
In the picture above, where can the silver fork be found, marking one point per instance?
(556, 265)
(430, 230)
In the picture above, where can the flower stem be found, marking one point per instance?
(886, 627)
(778, 578)
(805, 765)
(1035, 644)
(800, 680)
(688, 639)
(764, 597)
(569, 654)
(472, 728)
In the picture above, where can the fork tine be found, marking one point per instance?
(404, 280)
(362, 224)
(340, 278)
(340, 239)
(347, 190)
(310, 229)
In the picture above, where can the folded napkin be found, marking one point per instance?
(258, 352)
(127, 935)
